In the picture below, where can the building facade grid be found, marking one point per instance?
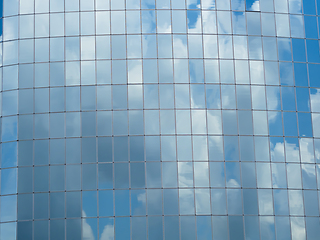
(163, 119)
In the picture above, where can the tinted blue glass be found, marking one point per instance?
(251, 227)
(252, 5)
(105, 199)
(236, 227)
(188, 227)
(312, 227)
(314, 71)
(238, 5)
(284, 49)
(290, 124)
(155, 228)
(204, 230)
(303, 102)
(43, 227)
(313, 51)
(282, 229)
(309, 7)
(310, 23)
(114, 135)
(305, 128)
(24, 230)
(298, 49)
(286, 73)
(301, 75)
(288, 99)
(122, 227)
(250, 201)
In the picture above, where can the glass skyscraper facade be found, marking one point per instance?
(160, 119)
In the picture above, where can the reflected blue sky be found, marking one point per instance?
(179, 133)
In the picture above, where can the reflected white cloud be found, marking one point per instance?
(107, 233)
(315, 100)
(255, 6)
(298, 230)
(199, 121)
(87, 233)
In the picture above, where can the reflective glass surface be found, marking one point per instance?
(159, 119)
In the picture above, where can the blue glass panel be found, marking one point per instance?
(25, 180)
(1, 11)
(170, 201)
(122, 228)
(120, 149)
(9, 155)
(298, 48)
(238, 5)
(57, 205)
(204, 230)
(310, 203)
(137, 175)
(152, 148)
(155, 228)
(154, 202)
(122, 203)
(229, 122)
(236, 228)
(246, 148)
(286, 74)
(89, 204)
(288, 99)
(121, 175)
(234, 201)
(188, 230)
(73, 229)
(248, 174)
(252, 5)
(313, 227)
(220, 227)
(73, 204)
(310, 23)
(303, 102)
(301, 75)
(106, 227)
(139, 228)
(250, 201)
(41, 230)
(314, 73)
(105, 176)
(313, 51)
(253, 19)
(282, 225)
(262, 149)
(284, 49)
(197, 95)
(275, 123)
(233, 174)
(171, 227)
(290, 124)
(251, 227)
(281, 205)
(267, 228)
(305, 126)
(25, 206)
(24, 231)
(309, 7)
(105, 203)
(231, 148)
(218, 201)
(136, 148)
